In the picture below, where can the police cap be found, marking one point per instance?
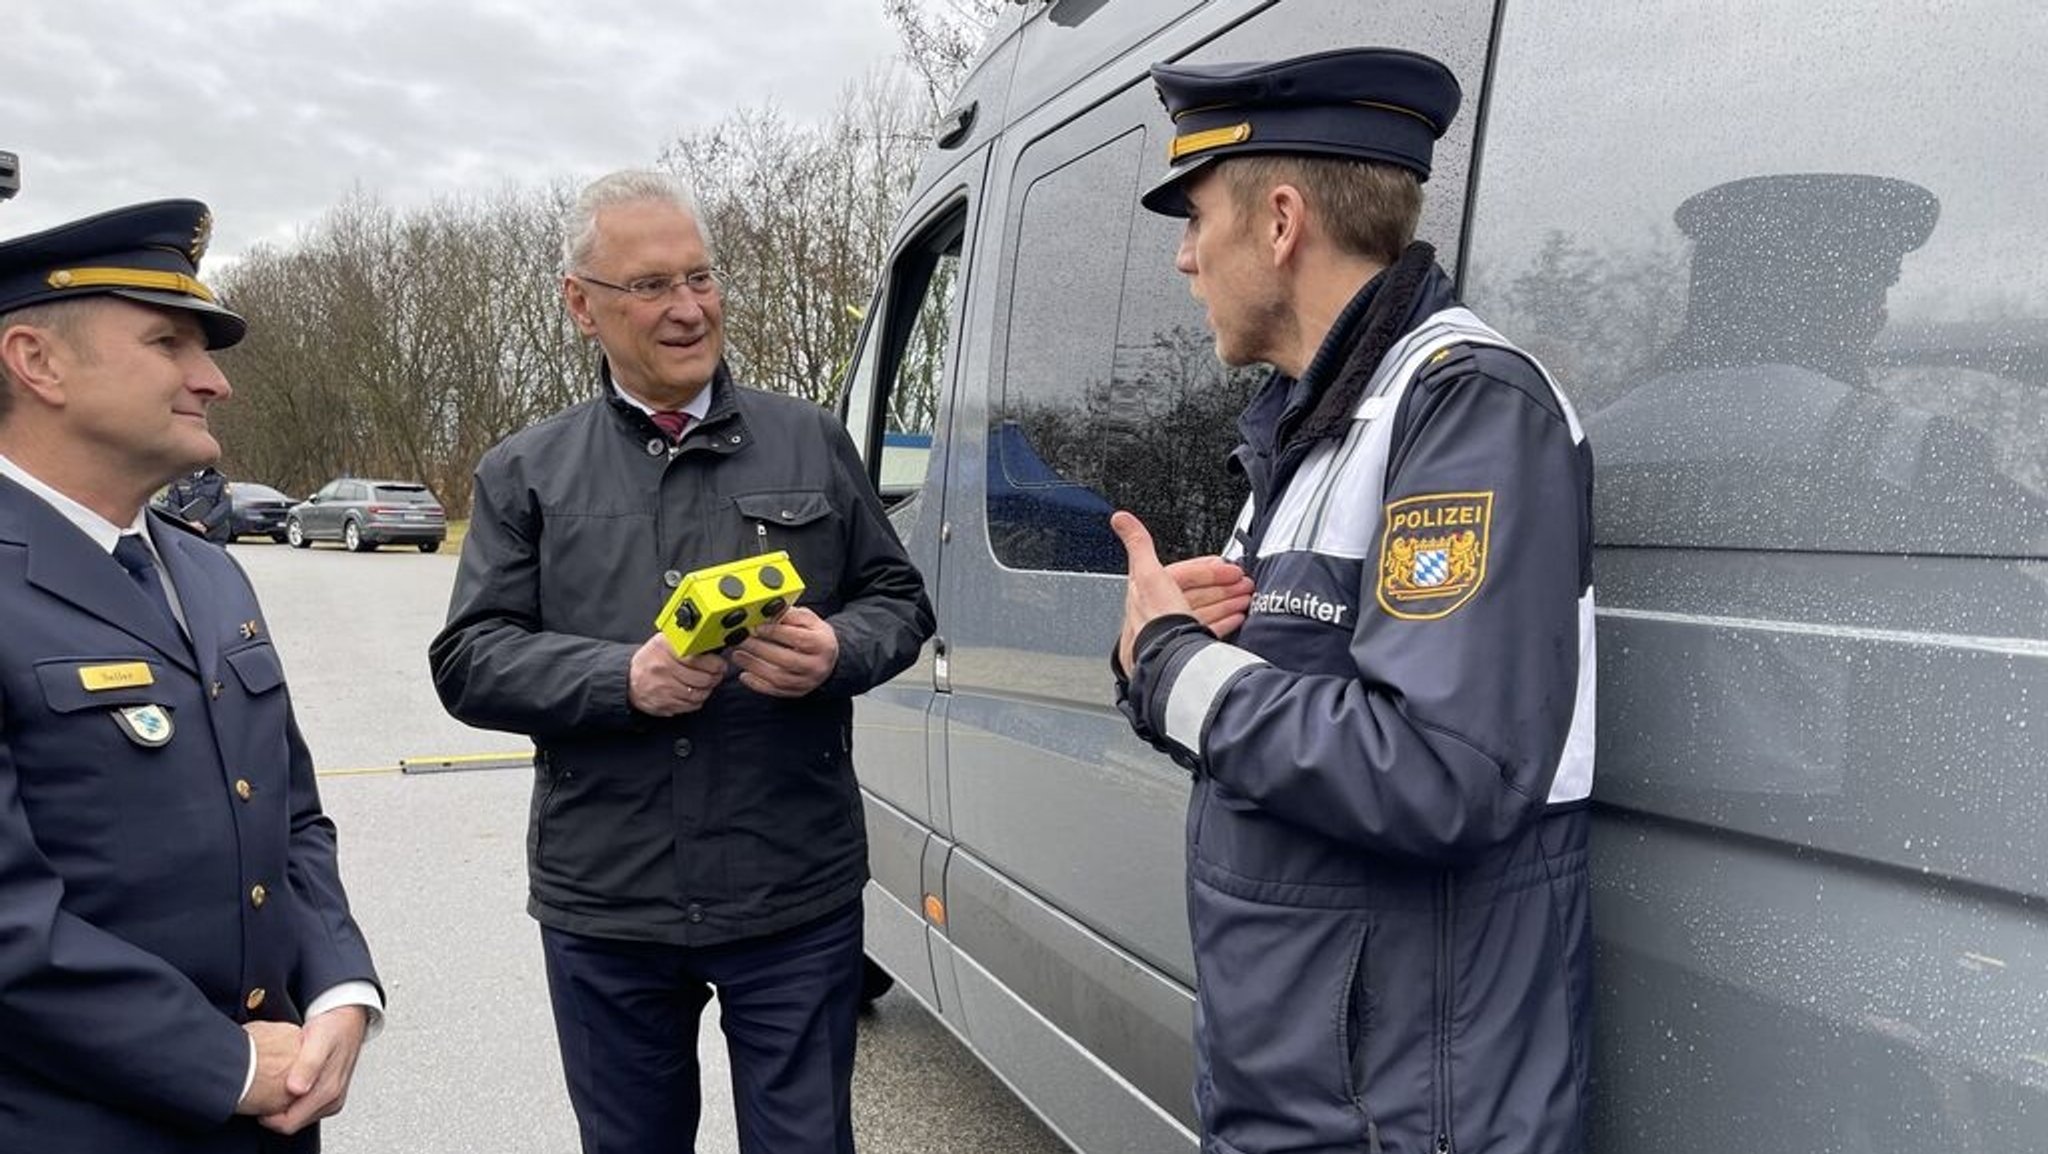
(1372, 104)
(146, 252)
(1831, 211)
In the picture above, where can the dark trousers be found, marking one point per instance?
(626, 1014)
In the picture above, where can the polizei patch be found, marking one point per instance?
(1433, 553)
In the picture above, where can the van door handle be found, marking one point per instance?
(942, 669)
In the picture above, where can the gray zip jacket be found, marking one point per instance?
(1387, 838)
(738, 820)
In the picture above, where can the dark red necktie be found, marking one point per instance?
(672, 423)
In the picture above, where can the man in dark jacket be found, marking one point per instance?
(695, 821)
(1393, 749)
(200, 499)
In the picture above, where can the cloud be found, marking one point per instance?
(274, 112)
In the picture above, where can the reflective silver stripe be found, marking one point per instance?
(1233, 549)
(1332, 506)
(1574, 780)
(1195, 690)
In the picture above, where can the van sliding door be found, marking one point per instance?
(897, 393)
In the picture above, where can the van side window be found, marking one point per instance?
(893, 392)
(1048, 506)
(1797, 323)
(1166, 354)
(1112, 395)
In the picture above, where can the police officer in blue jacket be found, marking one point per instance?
(179, 971)
(1384, 685)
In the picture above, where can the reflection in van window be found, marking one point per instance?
(1114, 398)
(1811, 331)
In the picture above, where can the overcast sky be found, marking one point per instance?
(272, 111)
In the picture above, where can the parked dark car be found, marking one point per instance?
(364, 514)
(257, 511)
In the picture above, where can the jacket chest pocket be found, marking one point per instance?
(803, 523)
(256, 667)
(93, 703)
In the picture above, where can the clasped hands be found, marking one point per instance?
(1215, 592)
(303, 1073)
(787, 657)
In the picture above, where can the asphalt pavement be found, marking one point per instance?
(434, 864)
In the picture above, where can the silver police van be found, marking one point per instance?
(1791, 262)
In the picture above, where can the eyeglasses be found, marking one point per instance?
(703, 283)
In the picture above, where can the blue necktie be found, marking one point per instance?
(134, 555)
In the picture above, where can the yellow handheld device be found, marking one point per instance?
(716, 607)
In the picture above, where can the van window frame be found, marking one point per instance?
(873, 371)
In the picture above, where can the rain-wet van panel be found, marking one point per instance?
(1787, 264)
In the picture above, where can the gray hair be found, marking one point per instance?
(627, 186)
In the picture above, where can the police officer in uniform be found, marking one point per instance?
(1767, 422)
(179, 970)
(200, 499)
(1384, 686)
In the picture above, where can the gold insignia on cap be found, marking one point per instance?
(135, 278)
(202, 235)
(1190, 143)
(1433, 553)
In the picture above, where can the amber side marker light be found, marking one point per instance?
(934, 910)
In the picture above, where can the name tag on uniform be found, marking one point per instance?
(126, 675)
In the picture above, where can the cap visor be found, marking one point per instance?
(1169, 196)
(222, 327)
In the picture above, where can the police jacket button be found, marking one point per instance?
(671, 578)
(258, 895)
(656, 447)
(255, 999)
(696, 912)
(243, 789)
(683, 747)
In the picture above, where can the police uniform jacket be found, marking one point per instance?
(732, 822)
(166, 872)
(203, 498)
(1387, 837)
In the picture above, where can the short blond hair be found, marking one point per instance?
(1369, 210)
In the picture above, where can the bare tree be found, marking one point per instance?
(801, 216)
(404, 345)
(940, 38)
(407, 343)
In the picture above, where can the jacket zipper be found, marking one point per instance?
(1355, 980)
(1446, 981)
(547, 805)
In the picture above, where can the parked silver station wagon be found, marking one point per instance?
(363, 514)
(1790, 261)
